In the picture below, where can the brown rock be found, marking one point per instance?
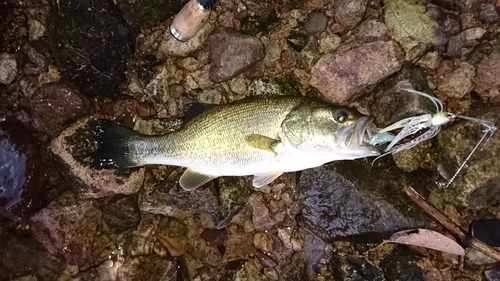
(339, 76)
(54, 104)
(262, 242)
(173, 235)
(458, 83)
(488, 76)
(261, 216)
(349, 13)
(151, 267)
(215, 237)
(231, 53)
(22, 179)
(67, 228)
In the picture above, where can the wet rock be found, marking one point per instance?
(26, 278)
(121, 213)
(411, 159)
(35, 57)
(297, 39)
(173, 235)
(492, 274)
(22, 178)
(143, 239)
(8, 68)
(296, 269)
(463, 43)
(285, 84)
(152, 267)
(372, 29)
(329, 43)
(316, 22)
(245, 270)
(126, 111)
(402, 264)
(214, 236)
(261, 215)
(337, 203)
(354, 268)
(25, 255)
(239, 243)
(202, 260)
(220, 199)
(477, 186)
(458, 83)
(290, 238)
(96, 63)
(72, 150)
(55, 104)
(309, 55)
(479, 258)
(339, 76)
(489, 13)
(170, 46)
(349, 13)
(260, 23)
(271, 273)
(393, 104)
(273, 53)
(231, 53)
(429, 60)
(315, 250)
(147, 14)
(262, 242)
(36, 30)
(488, 76)
(67, 228)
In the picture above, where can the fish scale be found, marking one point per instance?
(260, 136)
(221, 135)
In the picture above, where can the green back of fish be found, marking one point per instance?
(228, 135)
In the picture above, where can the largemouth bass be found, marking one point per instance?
(259, 136)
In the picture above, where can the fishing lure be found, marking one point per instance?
(431, 122)
(490, 130)
(414, 124)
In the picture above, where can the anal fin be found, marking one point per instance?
(191, 180)
(259, 180)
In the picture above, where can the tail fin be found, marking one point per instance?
(113, 149)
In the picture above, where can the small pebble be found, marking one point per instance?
(261, 241)
(8, 68)
(316, 23)
(271, 273)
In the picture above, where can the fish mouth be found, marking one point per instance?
(358, 135)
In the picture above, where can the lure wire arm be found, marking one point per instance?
(412, 125)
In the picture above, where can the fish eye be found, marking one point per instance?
(340, 115)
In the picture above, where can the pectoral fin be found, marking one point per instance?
(261, 142)
(260, 180)
(191, 180)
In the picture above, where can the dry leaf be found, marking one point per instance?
(407, 18)
(427, 239)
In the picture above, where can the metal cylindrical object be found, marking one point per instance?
(190, 20)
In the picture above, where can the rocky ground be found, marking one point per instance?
(65, 63)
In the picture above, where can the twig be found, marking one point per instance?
(456, 230)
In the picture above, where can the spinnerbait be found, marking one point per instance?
(412, 125)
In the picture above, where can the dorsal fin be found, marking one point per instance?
(195, 109)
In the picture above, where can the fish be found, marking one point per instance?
(263, 136)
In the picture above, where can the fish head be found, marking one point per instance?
(331, 131)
